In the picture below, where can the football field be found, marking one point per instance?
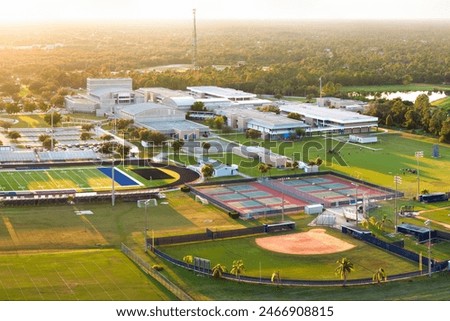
(79, 179)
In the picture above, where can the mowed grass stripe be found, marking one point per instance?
(81, 275)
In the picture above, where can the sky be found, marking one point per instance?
(20, 11)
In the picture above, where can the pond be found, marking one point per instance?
(411, 95)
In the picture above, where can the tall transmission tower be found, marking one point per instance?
(194, 42)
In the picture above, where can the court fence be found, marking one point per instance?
(398, 250)
(272, 182)
(284, 281)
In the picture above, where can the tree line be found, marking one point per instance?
(268, 58)
(419, 116)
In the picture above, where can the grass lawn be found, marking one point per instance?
(29, 121)
(418, 289)
(366, 259)
(57, 226)
(443, 103)
(76, 275)
(377, 163)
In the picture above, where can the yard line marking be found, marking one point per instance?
(110, 279)
(12, 275)
(52, 286)
(98, 234)
(96, 281)
(11, 231)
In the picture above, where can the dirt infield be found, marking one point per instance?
(315, 241)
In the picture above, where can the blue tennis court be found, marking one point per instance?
(256, 194)
(317, 180)
(310, 188)
(334, 185)
(230, 197)
(241, 188)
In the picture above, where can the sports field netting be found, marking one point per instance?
(230, 197)
(310, 188)
(241, 188)
(255, 194)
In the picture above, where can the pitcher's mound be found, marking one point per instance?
(314, 241)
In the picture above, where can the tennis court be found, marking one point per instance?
(269, 196)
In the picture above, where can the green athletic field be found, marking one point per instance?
(80, 179)
(366, 258)
(79, 275)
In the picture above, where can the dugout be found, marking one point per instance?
(355, 231)
(277, 227)
(419, 232)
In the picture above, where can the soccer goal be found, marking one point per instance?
(147, 202)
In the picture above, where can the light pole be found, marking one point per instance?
(418, 155)
(428, 223)
(356, 202)
(397, 180)
(113, 190)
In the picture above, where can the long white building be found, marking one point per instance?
(324, 119)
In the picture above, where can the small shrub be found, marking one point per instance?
(157, 267)
(185, 189)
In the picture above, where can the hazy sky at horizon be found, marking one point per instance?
(115, 10)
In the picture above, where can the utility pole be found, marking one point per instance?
(397, 180)
(418, 155)
(194, 41)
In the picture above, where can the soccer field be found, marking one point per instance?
(76, 275)
(79, 179)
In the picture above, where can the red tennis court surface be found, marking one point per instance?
(269, 196)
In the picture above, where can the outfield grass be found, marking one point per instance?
(76, 275)
(366, 259)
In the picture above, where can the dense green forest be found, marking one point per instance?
(284, 58)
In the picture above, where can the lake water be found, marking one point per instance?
(411, 95)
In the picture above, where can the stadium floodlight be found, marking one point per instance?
(146, 203)
(356, 202)
(418, 155)
(397, 180)
(428, 223)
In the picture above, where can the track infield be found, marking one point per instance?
(315, 241)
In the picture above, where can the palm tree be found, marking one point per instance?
(263, 168)
(207, 171)
(218, 270)
(345, 267)
(188, 259)
(275, 278)
(238, 268)
(177, 145)
(379, 276)
(206, 146)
